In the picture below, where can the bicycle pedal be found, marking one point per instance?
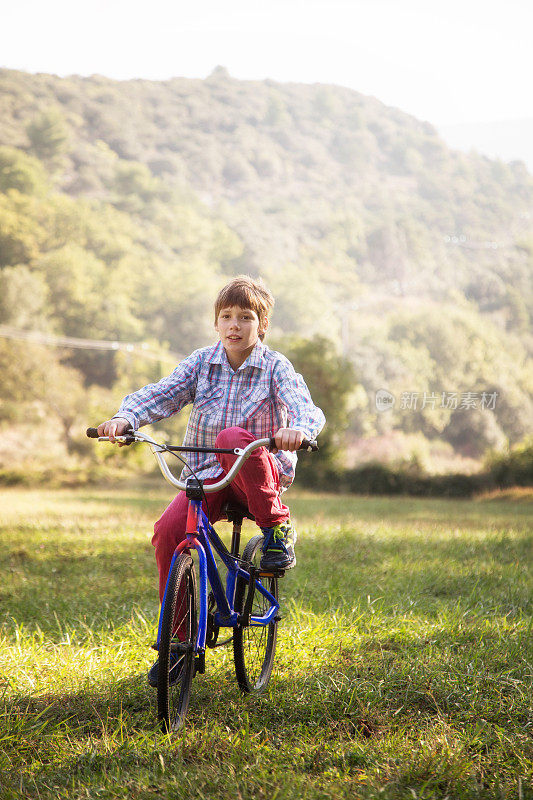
(271, 573)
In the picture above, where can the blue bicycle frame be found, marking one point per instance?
(202, 537)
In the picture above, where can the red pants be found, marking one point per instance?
(256, 486)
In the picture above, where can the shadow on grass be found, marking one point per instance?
(456, 567)
(412, 574)
(90, 711)
(346, 694)
(469, 672)
(78, 736)
(309, 722)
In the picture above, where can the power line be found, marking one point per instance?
(38, 337)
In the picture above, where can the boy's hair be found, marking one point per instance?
(245, 292)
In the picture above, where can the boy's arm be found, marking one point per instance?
(304, 419)
(164, 398)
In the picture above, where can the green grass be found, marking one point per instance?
(404, 666)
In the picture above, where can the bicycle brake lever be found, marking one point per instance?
(311, 445)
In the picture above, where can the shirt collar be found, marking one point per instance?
(217, 353)
(257, 356)
(255, 359)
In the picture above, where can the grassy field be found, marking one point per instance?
(404, 666)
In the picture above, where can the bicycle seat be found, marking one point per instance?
(235, 512)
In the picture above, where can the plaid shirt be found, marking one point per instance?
(263, 395)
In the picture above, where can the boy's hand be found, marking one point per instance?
(113, 427)
(288, 439)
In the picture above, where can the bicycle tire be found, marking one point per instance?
(254, 648)
(180, 611)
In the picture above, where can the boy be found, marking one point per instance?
(240, 391)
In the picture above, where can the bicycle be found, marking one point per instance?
(191, 616)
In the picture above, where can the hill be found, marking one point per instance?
(413, 259)
(510, 140)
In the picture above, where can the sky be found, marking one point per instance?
(447, 62)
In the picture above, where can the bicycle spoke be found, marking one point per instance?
(178, 629)
(254, 646)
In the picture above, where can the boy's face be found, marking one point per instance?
(239, 330)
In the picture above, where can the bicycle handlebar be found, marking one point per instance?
(157, 449)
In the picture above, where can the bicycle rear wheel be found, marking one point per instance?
(176, 646)
(254, 647)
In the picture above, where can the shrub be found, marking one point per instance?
(514, 468)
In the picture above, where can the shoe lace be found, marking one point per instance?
(276, 535)
(279, 533)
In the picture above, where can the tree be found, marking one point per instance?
(303, 308)
(474, 431)
(276, 114)
(88, 300)
(48, 135)
(135, 186)
(331, 379)
(514, 467)
(237, 169)
(23, 296)
(20, 232)
(20, 362)
(35, 384)
(21, 172)
(64, 395)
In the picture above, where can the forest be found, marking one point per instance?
(398, 265)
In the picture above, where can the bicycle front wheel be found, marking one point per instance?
(254, 647)
(176, 646)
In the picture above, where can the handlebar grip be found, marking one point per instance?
(92, 433)
(310, 445)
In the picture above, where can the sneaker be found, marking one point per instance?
(278, 547)
(176, 663)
